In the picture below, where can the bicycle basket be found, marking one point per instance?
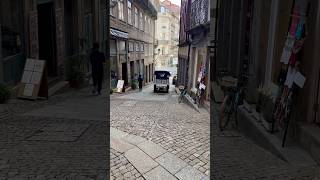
(228, 81)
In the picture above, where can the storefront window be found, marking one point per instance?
(131, 48)
(113, 47)
(11, 27)
(122, 46)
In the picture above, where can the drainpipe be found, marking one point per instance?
(215, 41)
(1, 60)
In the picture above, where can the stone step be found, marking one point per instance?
(55, 88)
(252, 129)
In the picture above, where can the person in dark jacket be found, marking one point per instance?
(140, 79)
(97, 60)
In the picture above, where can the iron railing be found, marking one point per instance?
(199, 13)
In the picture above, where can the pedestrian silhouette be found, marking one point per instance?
(140, 79)
(97, 59)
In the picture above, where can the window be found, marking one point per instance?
(163, 35)
(137, 47)
(136, 18)
(142, 47)
(146, 47)
(162, 9)
(113, 47)
(129, 13)
(141, 21)
(113, 7)
(120, 9)
(145, 23)
(122, 46)
(131, 48)
(11, 28)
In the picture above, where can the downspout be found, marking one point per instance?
(1, 60)
(215, 41)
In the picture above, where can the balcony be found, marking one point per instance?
(147, 5)
(199, 13)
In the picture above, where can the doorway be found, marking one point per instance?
(132, 73)
(47, 39)
(125, 73)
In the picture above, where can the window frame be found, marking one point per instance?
(136, 17)
(129, 5)
(121, 10)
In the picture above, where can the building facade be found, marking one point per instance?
(51, 30)
(195, 45)
(167, 34)
(132, 40)
(278, 41)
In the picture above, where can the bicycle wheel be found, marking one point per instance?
(180, 98)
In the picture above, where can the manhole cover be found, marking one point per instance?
(59, 132)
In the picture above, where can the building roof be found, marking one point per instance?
(171, 7)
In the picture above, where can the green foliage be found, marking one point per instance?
(74, 73)
(134, 84)
(4, 94)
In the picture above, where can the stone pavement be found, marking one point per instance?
(236, 157)
(143, 159)
(63, 138)
(159, 137)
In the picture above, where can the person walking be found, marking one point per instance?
(140, 79)
(97, 60)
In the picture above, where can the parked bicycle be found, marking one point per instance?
(183, 92)
(234, 95)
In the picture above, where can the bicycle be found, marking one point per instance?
(229, 107)
(183, 92)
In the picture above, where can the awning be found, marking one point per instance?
(118, 33)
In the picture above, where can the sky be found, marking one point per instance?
(177, 2)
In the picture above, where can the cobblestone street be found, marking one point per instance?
(169, 133)
(63, 138)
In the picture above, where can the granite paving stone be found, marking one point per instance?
(141, 161)
(171, 162)
(159, 173)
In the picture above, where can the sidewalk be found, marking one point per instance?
(150, 160)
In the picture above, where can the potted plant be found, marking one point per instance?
(265, 103)
(134, 84)
(4, 94)
(75, 75)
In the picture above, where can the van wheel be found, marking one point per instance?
(167, 89)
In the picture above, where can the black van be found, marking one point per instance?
(161, 82)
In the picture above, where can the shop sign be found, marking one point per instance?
(119, 34)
